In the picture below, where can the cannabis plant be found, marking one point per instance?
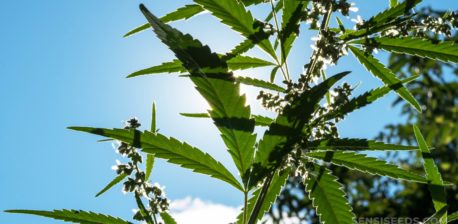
(302, 141)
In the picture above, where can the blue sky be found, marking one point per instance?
(64, 63)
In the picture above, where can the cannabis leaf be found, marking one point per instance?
(234, 14)
(278, 181)
(353, 144)
(436, 186)
(184, 12)
(364, 99)
(216, 84)
(361, 162)
(112, 183)
(327, 197)
(75, 216)
(446, 51)
(384, 74)
(170, 149)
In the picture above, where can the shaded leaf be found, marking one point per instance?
(75, 216)
(172, 150)
(452, 217)
(382, 20)
(286, 131)
(278, 181)
(234, 14)
(364, 99)
(386, 75)
(291, 17)
(353, 144)
(239, 62)
(112, 183)
(216, 84)
(259, 120)
(436, 186)
(446, 51)
(328, 197)
(361, 162)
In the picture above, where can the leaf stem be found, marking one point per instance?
(280, 40)
(245, 207)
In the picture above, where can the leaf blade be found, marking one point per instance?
(327, 197)
(386, 75)
(361, 162)
(446, 51)
(436, 187)
(216, 84)
(184, 12)
(75, 216)
(234, 14)
(170, 149)
(112, 183)
(353, 144)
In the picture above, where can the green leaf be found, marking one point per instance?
(436, 186)
(260, 83)
(284, 131)
(166, 67)
(167, 218)
(382, 20)
(361, 162)
(291, 18)
(184, 12)
(196, 115)
(273, 73)
(216, 84)
(393, 12)
(437, 217)
(364, 99)
(353, 144)
(144, 213)
(446, 51)
(115, 181)
(452, 217)
(238, 62)
(234, 14)
(241, 62)
(393, 3)
(328, 95)
(259, 120)
(262, 120)
(150, 158)
(171, 149)
(384, 74)
(74, 216)
(278, 181)
(327, 197)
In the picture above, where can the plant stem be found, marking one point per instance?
(245, 207)
(280, 40)
(316, 53)
(261, 198)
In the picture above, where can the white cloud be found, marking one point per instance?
(196, 211)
